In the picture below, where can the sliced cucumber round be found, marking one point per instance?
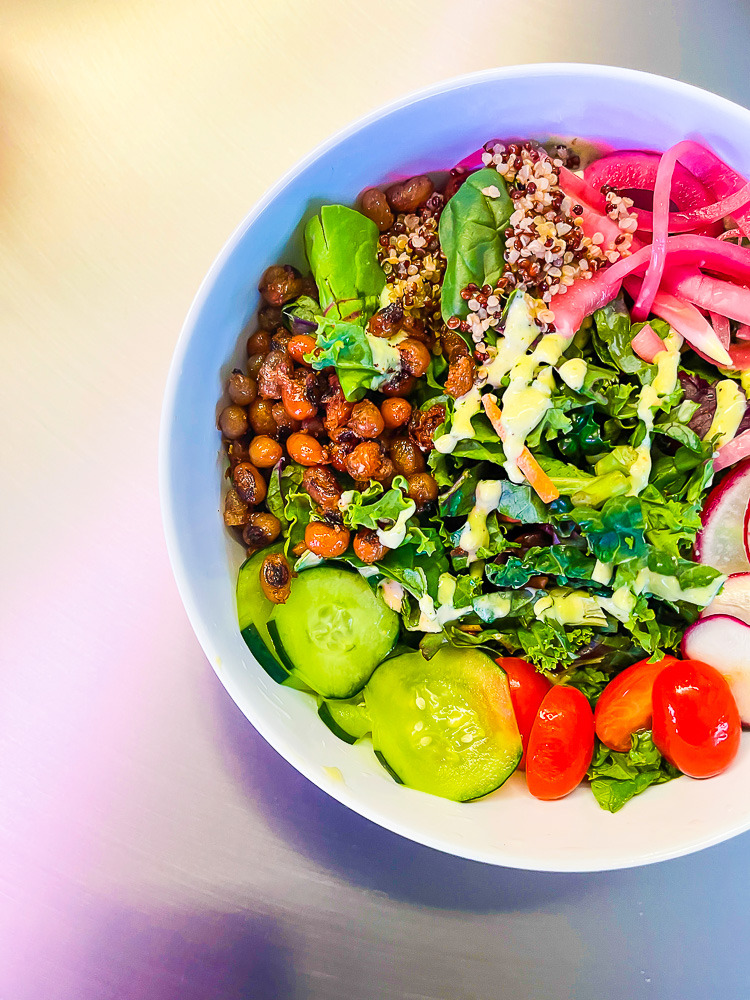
(444, 725)
(253, 611)
(347, 719)
(332, 631)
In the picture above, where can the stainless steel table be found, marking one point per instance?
(152, 847)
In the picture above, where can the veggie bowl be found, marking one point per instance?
(472, 452)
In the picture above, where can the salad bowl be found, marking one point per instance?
(424, 133)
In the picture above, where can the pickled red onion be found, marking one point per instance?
(647, 343)
(731, 452)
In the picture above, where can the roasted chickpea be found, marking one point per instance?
(406, 457)
(241, 388)
(284, 422)
(253, 364)
(409, 195)
(261, 417)
(264, 452)
(364, 461)
(366, 420)
(269, 318)
(233, 422)
(300, 345)
(367, 546)
(249, 483)
(375, 206)
(280, 284)
(400, 384)
(313, 425)
(296, 403)
(423, 489)
(237, 452)
(305, 450)
(461, 374)
(259, 342)
(414, 356)
(326, 540)
(276, 577)
(236, 511)
(423, 425)
(273, 374)
(261, 529)
(322, 487)
(395, 412)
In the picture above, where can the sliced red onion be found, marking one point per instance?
(721, 328)
(647, 343)
(733, 451)
(713, 295)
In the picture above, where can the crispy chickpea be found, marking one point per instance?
(322, 487)
(395, 412)
(305, 450)
(276, 577)
(237, 452)
(406, 457)
(296, 403)
(375, 206)
(241, 388)
(279, 284)
(410, 194)
(273, 374)
(387, 321)
(233, 422)
(259, 342)
(400, 384)
(313, 425)
(249, 483)
(284, 422)
(236, 511)
(261, 529)
(326, 540)
(300, 345)
(423, 489)
(261, 417)
(414, 356)
(280, 339)
(366, 420)
(364, 461)
(368, 547)
(269, 317)
(264, 452)
(253, 364)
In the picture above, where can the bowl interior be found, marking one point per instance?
(425, 133)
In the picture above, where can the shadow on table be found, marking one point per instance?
(366, 854)
(98, 952)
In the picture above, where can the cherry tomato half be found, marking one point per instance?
(624, 705)
(527, 690)
(561, 743)
(696, 723)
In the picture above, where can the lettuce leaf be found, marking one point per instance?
(617, 777)
(348, 348)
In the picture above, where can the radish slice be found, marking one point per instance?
(647, 343)
(733, 451)
(733, 599)
(635, 169)
(723, 642)
(721, 540)
(740, 356)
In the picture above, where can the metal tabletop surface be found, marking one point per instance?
(151, 844)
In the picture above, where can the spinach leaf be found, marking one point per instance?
(614, 533)
(472, 238)
(617, 777)
(341, 246)
(349, 348)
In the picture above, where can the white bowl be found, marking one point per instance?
(427, 131)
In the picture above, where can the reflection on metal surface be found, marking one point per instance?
(151, 845)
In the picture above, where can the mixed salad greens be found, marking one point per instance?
(470, 461)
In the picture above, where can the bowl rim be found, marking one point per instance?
(200, 626)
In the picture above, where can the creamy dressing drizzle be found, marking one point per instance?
(730, 409)
(651, 396)
(474, 534)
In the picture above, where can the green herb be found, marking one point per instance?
(472, 238)
(617, 777)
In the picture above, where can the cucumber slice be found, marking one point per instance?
(346, 719)
(333, 631)
(445, 725)
(253, 611)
